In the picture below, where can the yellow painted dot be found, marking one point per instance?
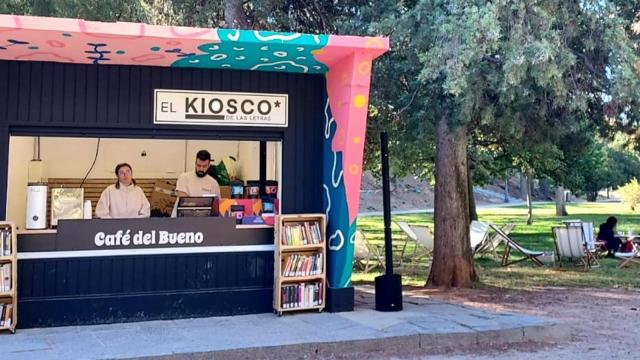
(317, 51)
(374, 43)
(353, 169)
(356, 140)
(359, 101)
(364, 67)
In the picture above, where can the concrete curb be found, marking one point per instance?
(552, 333)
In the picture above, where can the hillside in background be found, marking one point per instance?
(410, 193)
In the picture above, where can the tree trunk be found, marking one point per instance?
(506, 187)
(608, 192)
(473, 213)
(234, 15)
(529, 198)
(452, 260)
(523, 186)
(545, 189)
(561, 209)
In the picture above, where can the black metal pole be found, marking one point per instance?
(389, 285)
(386, 202)
(263, 166)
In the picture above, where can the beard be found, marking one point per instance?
(201, 174)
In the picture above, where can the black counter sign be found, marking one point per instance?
(220, 108)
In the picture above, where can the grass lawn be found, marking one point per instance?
(538, 236)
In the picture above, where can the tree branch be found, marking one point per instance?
(413, 96)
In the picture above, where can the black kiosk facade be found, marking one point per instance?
(101, 80)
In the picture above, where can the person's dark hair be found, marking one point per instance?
(612, 221)
(133, 181)
(203, 155)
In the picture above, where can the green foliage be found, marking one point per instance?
(98, 10)
(630, 193)
(532, 81)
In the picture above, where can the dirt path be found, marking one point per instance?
(604, 323)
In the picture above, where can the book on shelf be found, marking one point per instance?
(5, 243)
(301, 233)
(303, 265)
(6, 314)
(5, 277)
(303, 295)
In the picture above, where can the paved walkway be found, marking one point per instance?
(423, 323)
(430, 210)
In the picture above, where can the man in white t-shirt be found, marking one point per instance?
(198, 182)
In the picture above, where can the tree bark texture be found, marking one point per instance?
(452, 260)
(506, 188)
(523, 185)
(234, 15)
(561, 209)
(529, 198)
(473, 213)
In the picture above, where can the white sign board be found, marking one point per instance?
(190, 107)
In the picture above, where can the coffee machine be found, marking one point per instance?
(36, 206)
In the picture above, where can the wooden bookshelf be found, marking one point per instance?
(300, 262)
(8, 280)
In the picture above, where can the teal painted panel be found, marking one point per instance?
(260, 50)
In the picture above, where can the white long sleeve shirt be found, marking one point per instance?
(126, 202)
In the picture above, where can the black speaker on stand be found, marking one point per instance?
(389, 285)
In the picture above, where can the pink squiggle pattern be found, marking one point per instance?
(189, 32)
(55, 43)
(84, 27)
(348, 82)
(66, 40)
(147, 57)
(40, 55)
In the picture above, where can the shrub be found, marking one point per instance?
(630, 193)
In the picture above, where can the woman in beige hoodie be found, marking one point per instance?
(124, 199)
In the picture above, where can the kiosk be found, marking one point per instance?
(76, 78)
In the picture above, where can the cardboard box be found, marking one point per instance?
(163, 198)
(225, 192)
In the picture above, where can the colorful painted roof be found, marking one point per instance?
(30, 38)
(346, 62)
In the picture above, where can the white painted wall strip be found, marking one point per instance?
(152, 251)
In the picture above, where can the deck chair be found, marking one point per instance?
(590, 243)
(366, 256)
(422, 238)
(511, 244)
(491, 242)
(570, 244)
(478, 232)
(629, 257)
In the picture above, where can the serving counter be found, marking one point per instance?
(116, 270)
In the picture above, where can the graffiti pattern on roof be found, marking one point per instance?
(260, 50)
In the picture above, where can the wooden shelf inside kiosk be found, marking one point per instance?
(8, 277)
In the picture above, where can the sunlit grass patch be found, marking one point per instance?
(538, 236)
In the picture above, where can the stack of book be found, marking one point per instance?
(304, 233)
(302, 265)
(5, 277)
(303, 295)
(6, 315)
(5, 243)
